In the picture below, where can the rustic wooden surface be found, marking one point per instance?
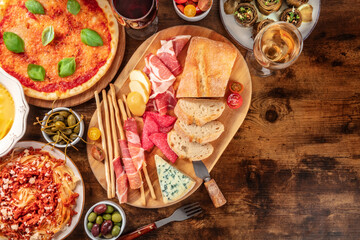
(293, 169)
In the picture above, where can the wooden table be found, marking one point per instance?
(293, 169)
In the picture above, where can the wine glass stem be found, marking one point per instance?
(255, 68)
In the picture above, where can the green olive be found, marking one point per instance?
(60, 125)
(118, 224)
(116, 217)
(73, 136)
(57, 138)
(109, 209)
(90, 225)
(115, 231)
(92, 217)
(107, 216)
(71, 120)
(67, 131)
(77, 129)
(64, 113)
(54, 129)
(99, 220)
(58, 117)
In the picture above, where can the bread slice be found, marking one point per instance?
(198, 111)
(188, 150)
(201, 134)
(207, 69)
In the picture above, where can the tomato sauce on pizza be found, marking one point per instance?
(66, 43)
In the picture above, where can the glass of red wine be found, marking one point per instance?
(138, 16)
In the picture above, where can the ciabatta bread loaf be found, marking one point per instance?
(198, 111)
(200, 134)
(208, 67)
(188, 150)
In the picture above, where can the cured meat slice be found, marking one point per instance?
(134, 144)
(131, 172)
(161, 120)
(150, 127)
(179, 42)
(167, 55)
(165, 101)
(160, 140)
(121, 181)
(166, 129)
(160, 76)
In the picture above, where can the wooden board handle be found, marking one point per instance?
(215, 193)
(139, 232)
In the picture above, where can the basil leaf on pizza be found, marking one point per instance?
(34, 7)
(73, 6)
(13, 42)
(66, 67)
(47, 35)
(91, 38)
(36, 72)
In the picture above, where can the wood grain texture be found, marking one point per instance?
(101, 84)
(292, 171)
(232, 119)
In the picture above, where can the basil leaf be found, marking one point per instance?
(91, 38)
(13, 42)
(36, 72)
(73, 6)
(66, 67)
(47, 35)
(34, 7)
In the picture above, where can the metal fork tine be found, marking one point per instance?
(192, 208)
(190, 205)
(194, 213)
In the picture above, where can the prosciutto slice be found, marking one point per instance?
(134, 143)
(167, 55)
(165, 101)
(179, 42)
(121, 181)
(160, 76)
(131, 172)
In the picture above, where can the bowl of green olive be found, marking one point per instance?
(104, 220)
(62, 127)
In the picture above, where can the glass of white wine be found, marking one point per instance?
(276, 46)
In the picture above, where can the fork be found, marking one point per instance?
(180, 214)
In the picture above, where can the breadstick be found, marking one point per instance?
(103, 142)
(114, 138)
(142, 192)
(109, 143)
(148, 181)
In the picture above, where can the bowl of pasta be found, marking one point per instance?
(13, 112)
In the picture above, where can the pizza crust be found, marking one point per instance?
(114, 31)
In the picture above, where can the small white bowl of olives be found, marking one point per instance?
(104, 220)
(62, 127)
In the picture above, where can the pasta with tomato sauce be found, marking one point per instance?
(36, 195)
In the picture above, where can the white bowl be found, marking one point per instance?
(192, 19)
(80, 135)
(18, 128)
(117, 207)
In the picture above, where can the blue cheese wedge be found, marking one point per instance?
(173, 183)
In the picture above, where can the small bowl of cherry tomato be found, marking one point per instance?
(105, 220)
(192, 10)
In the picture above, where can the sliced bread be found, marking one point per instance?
(201, 134)
(198, 111)
(188, 150)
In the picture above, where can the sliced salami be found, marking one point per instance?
(150, 127)
(162, 120)
(160, 140)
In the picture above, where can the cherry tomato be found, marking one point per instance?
(180, 1)
(205, 5)
(236, 87)
(195, 1)
(190, 2)
(94, 133)
(190, 10)
(234, 100)
(198, 10)
(180, 7)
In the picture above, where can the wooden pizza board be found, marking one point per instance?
(88, 94)
(232, 119)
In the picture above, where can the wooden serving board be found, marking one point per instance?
(232, 119)
(88, 94)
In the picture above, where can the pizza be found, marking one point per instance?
(57, 48)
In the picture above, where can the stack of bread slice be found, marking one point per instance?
(196, 127)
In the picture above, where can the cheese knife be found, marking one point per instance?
(214, 191)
